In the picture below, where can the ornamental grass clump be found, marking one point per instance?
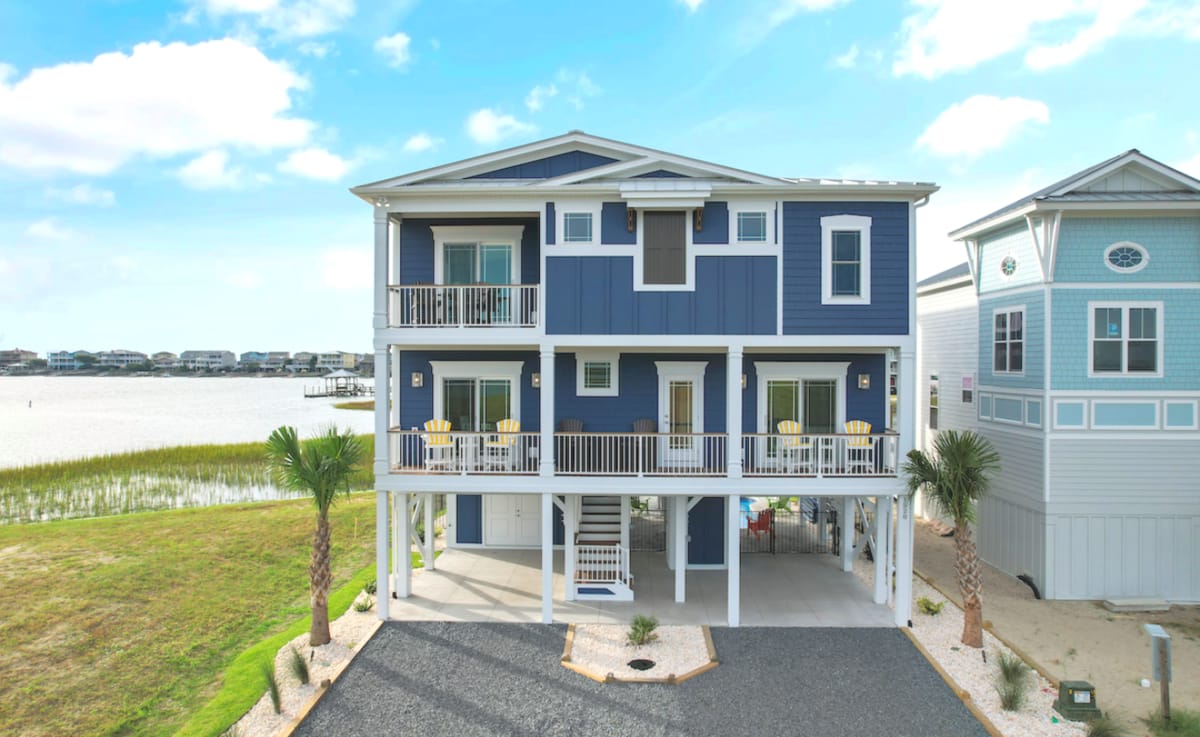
(268, 672)
(1106, 726)
(642, 630)
(1012, 681)
(299, 667)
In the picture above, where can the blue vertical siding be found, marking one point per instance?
(714, 224)
(614, 224)
(706, 532)
(1172, 244)
(662, 174)
(551, 223)
(1035, 341)
(803, 313)
(638, 376)
(417, 252)
(468, 518)
(861, 404)
(594, 295)
(416, 404)
(550, 166)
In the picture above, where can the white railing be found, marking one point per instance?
(417, 451)
(476, 305)
(597, 564)
(835, 454)
(639, 454)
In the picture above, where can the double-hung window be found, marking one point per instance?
(845, 259)
(1126, 338)
(1008, 341)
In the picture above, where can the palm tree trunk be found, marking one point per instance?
(970, 585)
(319, 583)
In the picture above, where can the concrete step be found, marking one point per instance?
(1136, 605)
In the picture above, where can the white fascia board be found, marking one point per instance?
(787, 193)
(1132, 157)
(526, 339)
(1000, 221)
(946, 285)
(1175, 206)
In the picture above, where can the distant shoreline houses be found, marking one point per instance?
(23, 362)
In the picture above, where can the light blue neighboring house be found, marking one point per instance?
(568, 324)
(1087, 316)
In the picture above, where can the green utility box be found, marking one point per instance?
(1077, 701)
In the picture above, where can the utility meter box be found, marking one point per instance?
(1077, 701)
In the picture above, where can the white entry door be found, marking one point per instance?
(681, 413)
(513, 520)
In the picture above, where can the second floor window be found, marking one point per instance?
(752, 227)
(577, 227)
(845, 259)
(1008, 347)
(847, 263)
(1125, 339)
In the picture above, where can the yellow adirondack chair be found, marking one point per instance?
(860, 447)
(500, 449)
(439, 444)
(794, 451)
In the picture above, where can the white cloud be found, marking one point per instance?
(488, 126)
(316, 163)
(848, 59)
(421, 142)
(579, 87)
(1191, 166)
(538, 95)
(316, 49)
(756, 28)
(92, 117)
(288, 18)
(979, 124)
(1110, 20)
(394, 48)
(211, 170)
(82, 194)
(49, 229)
(243, 279)
(346, 268)
(692, 5)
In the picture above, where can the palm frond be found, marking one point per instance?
(957, 474)
(321, 466)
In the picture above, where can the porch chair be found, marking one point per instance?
(860, 447)
(794, 452)
(500, 450)
(645, 456)
(569, 455)
(439, 444)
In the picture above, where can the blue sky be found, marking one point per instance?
(173, 174)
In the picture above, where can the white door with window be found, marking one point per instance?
(681, 413)
(513, 520)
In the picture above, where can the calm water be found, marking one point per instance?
(55, 418)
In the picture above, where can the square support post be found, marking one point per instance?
(382, 233)
(846, 520)
(403, 544)
(427, 554)
(904, 561)
(546, 405)
(733, 413)
(733, 557)
(882, 551)
(681, 547)
(382, 571)
(570, 529)
(547, 558)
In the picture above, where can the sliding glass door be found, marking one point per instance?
(476, 405)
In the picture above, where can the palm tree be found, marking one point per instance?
(954, 479)
(321, 466)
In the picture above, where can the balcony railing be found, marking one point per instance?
(639, 454)
(464, 452)
(819, 455)
(476, 305)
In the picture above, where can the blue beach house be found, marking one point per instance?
(1082, 302)
(569, 325)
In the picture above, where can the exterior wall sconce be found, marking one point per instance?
(418, 379)
(743, 381)
(864, 381)
(699, 217)
(535, 380)
(629, 224)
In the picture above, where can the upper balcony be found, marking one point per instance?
(463, 306)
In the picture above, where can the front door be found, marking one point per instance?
(680, 415)
(513, 520)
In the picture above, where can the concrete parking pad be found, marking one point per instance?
(466, 679)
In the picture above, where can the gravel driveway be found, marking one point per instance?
(466, 679)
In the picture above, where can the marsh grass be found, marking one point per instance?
(1184, 723)
(299, 666)
(268, 671)
(367, 405)
(143, 481)
(1012, 680)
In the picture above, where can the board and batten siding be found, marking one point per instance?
(1011, 519)
(803, 313)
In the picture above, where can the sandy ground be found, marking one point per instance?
(1080, 639)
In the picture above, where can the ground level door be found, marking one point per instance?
(512, 520)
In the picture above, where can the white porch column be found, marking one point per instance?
(846, 521)
(733, 557)
(397, 383)
(382, 367)
(625, 522)
(381, 269)
(906, 396)
(383, 590)
(547, 557)
(733, 412)
(403, 568)
(428, 552)
(904, 561)
(546, 403)
(882, 551)
(681, 546)
(570, 505)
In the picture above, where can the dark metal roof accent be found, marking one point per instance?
(954, 272)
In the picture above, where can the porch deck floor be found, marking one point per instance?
(787, 590)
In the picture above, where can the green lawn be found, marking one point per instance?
(124, 625)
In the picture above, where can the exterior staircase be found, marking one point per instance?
(601, 564)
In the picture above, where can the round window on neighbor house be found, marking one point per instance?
(1008, 266)
(1126, 257)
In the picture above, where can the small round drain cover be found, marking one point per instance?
(641, 664)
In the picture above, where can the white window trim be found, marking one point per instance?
(1125, 373)
(1008, 341)
(800, 370)
(859, 223)
(611, 357)
(764, 207)
(561, 208)
(1041, 412)
(982, 398)
(1168, 403)
(510, 370)
(688, 369)
(1005, 420)
(1127, 244)
(488, 235)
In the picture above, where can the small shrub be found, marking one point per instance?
(641, 630)
(299, 667)
(1012, 695)
(929, 606)
(1183, 723)
(364, 604)
(268, 671)
(371, 587)
(1012, 681)
(1106, 726)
